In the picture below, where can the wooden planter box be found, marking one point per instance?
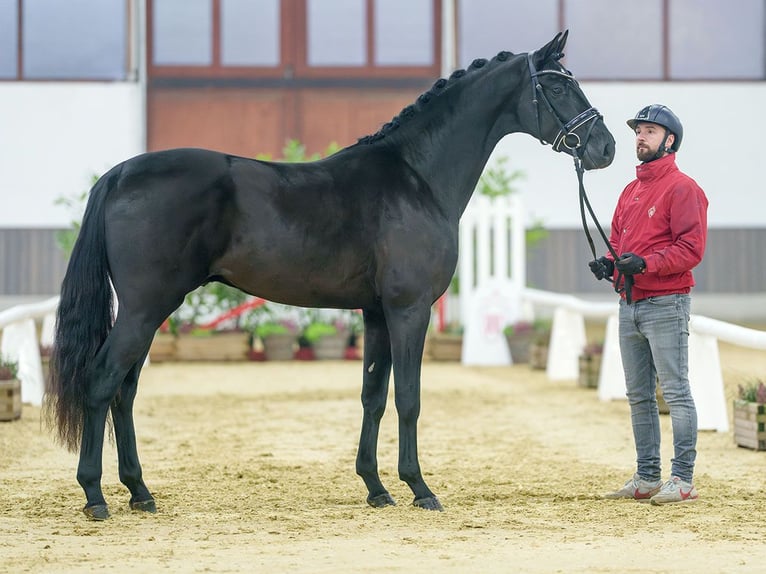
(441, 347)
(10, 400)
(233, 346)
(163, 348)
(590, 367)
(750, 425)
(538, 356)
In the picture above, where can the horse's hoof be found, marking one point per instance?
(381, 500)
(97, 512)
(144, 505)
(430, 503)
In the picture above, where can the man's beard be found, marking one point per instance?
(646, 154)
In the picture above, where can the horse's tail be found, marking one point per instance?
(83, 321)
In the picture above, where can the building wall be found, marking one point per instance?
(54, 136)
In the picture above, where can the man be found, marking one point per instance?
(659, 230)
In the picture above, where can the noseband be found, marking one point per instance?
(568, 137)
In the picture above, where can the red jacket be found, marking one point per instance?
(661, 216)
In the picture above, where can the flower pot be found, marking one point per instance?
(590, 367)
(518, 345)
(279, 347)
(750, 425)
(330, 347)
(10, 400)
(538, 356)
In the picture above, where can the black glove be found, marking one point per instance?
(630, 264)
(602, 267)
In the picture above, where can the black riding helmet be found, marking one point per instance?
(662, 116)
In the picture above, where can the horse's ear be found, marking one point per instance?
(553, 49)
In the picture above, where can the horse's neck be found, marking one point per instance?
(450, 152)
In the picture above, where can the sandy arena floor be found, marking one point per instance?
(252, 466)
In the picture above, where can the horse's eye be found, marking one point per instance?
(557, 90)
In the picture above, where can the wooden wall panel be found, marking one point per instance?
(343, 116)
(239, 121)
(253, 121)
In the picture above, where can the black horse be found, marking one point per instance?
(373, 227)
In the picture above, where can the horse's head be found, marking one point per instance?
(562, 115)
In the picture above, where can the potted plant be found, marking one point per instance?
(750, 415)
(328, 336)
(10, 390)
(278, 337)
(538, 348)
(519, 337)
(590, 364)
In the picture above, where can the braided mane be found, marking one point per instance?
(423, 99)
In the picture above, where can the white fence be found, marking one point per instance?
(21, 341)
(705, 374)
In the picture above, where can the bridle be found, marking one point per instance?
(568, 137)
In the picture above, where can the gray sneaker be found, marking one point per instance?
(637, 488)
(675, 490)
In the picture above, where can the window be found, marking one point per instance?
(404, 33)
(709, 39)
(75, 40)
(294, 38)
(8, 39)
(336, 32)
(250, 32)
(182, 32)
(625, 40)
(486, 27)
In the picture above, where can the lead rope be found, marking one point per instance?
(627, 279)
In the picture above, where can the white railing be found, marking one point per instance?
(20, 343)
(705, 374)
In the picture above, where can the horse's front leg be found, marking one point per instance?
(377, 371)
(125, 437)
(407, 328)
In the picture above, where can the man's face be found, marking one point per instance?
(649, 137)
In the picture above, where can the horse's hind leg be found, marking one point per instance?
(123, 348)
(125, 436)
(377, 370)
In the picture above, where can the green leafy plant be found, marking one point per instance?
(8, 369)
(75, 204)
(295, 152)
(518, 328)
(753, 392)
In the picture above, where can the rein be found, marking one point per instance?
(572, 142)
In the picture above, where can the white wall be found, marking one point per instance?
(54, 137)
(722, 150)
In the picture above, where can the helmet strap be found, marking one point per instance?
(662, 149)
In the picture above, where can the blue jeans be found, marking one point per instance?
(654, 344)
